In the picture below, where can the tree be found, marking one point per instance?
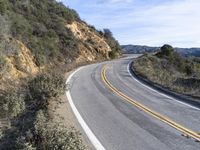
(107, 33)
(112, 42)
(166, 51)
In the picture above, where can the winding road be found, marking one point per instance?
(118, 112)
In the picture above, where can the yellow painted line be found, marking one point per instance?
(162, 118)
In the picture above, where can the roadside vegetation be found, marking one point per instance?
(31, 126)
(112, 42)
(35, 30)
(171, 70)
(25, 122)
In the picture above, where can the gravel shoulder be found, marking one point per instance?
(63, 113)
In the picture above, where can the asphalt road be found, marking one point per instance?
(119, 125)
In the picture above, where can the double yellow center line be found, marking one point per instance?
(184, 130)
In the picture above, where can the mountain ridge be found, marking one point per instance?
(194, 51)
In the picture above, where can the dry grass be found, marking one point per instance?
(162, 72)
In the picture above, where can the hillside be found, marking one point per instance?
(139, 49)
(40, 41)
(171, 70)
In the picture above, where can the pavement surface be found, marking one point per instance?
(118, 124)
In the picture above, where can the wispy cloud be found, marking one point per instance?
(115, 1)
(148, 22)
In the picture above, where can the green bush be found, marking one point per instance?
(40, 123)
(12, 104)
(46, 87)
(39, 29)
(54, 135)
(112, 54)
(21, 28)
(3, 65)
(40, 59)
(166, 51)
(3, 6)
(114, 45)
(4, 26)
(68, 14)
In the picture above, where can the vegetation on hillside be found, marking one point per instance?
(40, 27)
(171, 70)
(32, 127)
(112, 42)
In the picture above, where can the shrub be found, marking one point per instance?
(107, 33)
(60, 138)
(39, 124)
(46, 49)
(188, 70)
(12, 104)
(165, 51)
(40, 59)
(114, 45)
(67, 13)
(39, 29)
(3, 6)
(22, 144)
(4, 26)
(21, 28)
(54, 135)
(10, 47)
(3, 65)
(46, 87)
(112, 54)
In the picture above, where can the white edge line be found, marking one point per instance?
(128, 69)
(96, 143)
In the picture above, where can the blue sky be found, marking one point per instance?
(144, 22)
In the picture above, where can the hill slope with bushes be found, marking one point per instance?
(171, 70)
(40, 40)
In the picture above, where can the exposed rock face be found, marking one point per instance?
(21, 64)
(92, 46)
(91, 42)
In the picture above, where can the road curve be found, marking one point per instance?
(120, 125)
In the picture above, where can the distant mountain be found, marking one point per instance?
(139, 49)
(189, 51)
